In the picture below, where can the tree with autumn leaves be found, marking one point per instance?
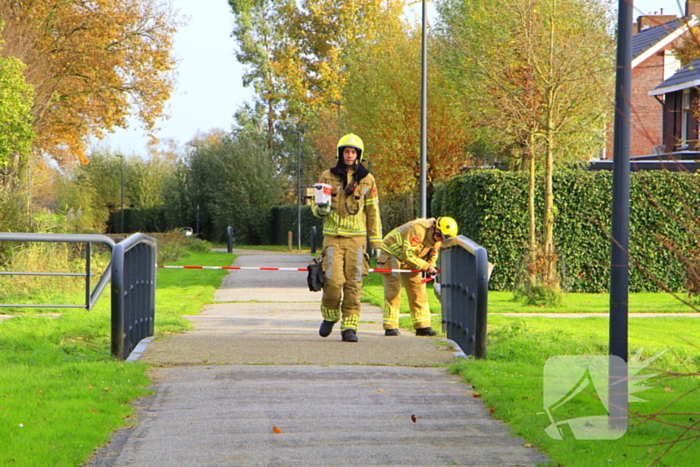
(538, 74)
(339, 66)
(526, 80)
(92, 64)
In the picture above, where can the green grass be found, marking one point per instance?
(503, 302)
(61, 392)
(511, 380)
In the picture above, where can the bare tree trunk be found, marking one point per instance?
(531, 209)
(548, 246)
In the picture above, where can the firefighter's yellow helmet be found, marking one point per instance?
(352, 141)
(447, 226)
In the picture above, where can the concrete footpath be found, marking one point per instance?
(255, 385)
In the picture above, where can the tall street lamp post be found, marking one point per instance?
(298, 133)
(122, 187)
(424, 118)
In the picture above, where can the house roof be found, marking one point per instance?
(650, 41)
(687, 77)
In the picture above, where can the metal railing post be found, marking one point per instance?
(133, 293)
(88, 270)
(117, 320)
(464, 280)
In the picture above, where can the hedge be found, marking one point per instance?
(491, 208)
(283, 219)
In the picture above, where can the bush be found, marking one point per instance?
(491, 209)
(174, 245)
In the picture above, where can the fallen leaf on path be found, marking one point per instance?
(277, 430)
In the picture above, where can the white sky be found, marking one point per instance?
(209, 88)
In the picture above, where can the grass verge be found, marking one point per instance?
(661, 432)
(61, 392)
(511, 384)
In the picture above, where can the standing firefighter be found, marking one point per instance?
(414, 245)
(352, 213)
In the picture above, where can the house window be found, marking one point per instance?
(685, 115)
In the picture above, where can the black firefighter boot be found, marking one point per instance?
(349, 335)
(326, 328)
(426, 331)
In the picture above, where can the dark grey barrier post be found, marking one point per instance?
(229, 236)
(133, 293)
(313, 239)
(464, 280)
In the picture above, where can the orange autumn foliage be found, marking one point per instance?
(92, 64)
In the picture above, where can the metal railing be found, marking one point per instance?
(132, 272)
(133, 293)
(463, 292)
(91, 296)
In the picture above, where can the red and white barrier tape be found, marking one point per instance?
(277, 269)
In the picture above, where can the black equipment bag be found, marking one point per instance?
(315, 275)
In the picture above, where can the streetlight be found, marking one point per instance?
(424, 118)
(122, 187)
(298, 133)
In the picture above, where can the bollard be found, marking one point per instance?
(289, 240)
(313, 239)
(229, 235)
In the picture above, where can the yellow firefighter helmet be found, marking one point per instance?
(447, 226)
(352, 141)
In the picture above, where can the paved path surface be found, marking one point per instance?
(254, 385)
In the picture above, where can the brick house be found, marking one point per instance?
(652, 64)
(680, 107)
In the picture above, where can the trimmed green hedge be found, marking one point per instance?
(491, 209)
(283, 219)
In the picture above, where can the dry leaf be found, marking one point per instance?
(668, 389)
(492, 409)
(414, 418)
(527, 445)
(276, 429)
(476, 394)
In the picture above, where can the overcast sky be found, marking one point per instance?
(209, 88)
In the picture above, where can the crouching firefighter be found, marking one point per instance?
(348, 218)
(415, 246)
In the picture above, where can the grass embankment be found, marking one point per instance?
(511, 380)
(61, 392)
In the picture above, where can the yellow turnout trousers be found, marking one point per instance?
(415, 290)
(345, 262)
